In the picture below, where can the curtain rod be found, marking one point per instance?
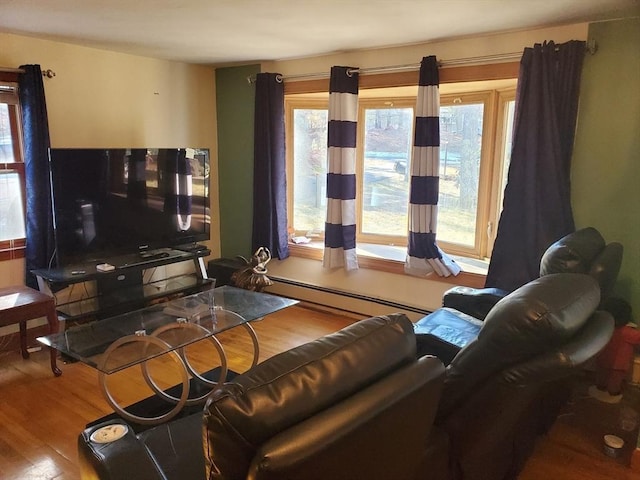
(11, 70)
(591, 47)
(401, 68)
(45, 73)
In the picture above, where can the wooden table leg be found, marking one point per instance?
(23, 339)
(20, 304)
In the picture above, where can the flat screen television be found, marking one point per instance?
(109, 202)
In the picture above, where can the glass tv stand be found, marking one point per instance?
(83, 292)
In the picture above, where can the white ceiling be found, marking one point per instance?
(237, 31)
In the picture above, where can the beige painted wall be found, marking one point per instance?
(100, 98)
(423, 293)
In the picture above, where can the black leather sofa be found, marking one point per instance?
(362, 404)
(336, 408)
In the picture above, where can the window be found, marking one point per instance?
(471, 157)
(12, 198)
(308, 165)
(475, 135)
(386, 126)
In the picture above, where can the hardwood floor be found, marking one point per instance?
(573, 448)
(41, 415)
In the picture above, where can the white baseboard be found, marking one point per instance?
(346, 302)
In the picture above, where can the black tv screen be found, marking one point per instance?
(117, 201)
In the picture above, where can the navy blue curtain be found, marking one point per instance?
(40, 244)
(269, 173)
(537, 198)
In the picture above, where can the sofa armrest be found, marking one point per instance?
(122, 459)
(476, 302)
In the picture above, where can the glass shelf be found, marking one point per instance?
(122, 289)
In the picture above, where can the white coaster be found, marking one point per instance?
(109, 433)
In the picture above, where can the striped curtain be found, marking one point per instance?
(179, 193)
(340, 227)
(424, 256)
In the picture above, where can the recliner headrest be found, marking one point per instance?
(573, 253)
(585, 251)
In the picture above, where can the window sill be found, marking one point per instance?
(390, 259)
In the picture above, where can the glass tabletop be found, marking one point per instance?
(146, 333)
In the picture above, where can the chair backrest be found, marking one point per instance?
(535, 320)
(338, 407)
(584, 251)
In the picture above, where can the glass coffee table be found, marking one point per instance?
(134, 338)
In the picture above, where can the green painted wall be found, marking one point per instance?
(606, 158)
(235, 111)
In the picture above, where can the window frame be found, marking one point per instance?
(485, 173)
(503, 97)
(14, 248)
(485, 229)
(290, 104)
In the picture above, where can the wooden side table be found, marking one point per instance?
(19, 304)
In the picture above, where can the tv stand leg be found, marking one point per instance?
(43, 286)
(201, 269)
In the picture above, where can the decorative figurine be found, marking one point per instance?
(254, 275)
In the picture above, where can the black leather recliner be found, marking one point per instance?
(583, 251)
(340, 407)
(507, 384)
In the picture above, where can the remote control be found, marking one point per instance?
(105, 267)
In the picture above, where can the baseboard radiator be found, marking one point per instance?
(348, 302)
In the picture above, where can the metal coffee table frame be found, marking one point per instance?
(135, 338)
